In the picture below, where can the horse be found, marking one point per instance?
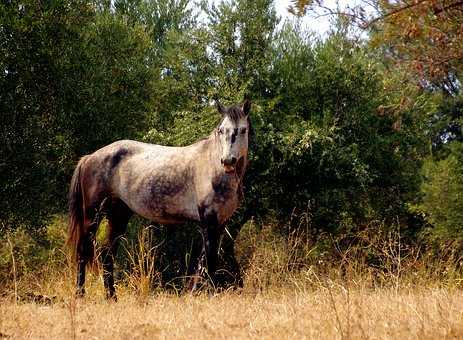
(201, 182)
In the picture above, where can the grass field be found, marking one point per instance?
(330, 312)
(403, 297)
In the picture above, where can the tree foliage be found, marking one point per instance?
(73, 79)
(425, 35)
(34, 37)
(444, 184)
(421, 42)
(340, 131)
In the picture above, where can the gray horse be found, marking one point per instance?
(169, 185)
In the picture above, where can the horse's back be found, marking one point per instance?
(110, 157)
(101, 164)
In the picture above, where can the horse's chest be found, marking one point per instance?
(224, 188)
(222, 199)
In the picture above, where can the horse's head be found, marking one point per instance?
(233, 134)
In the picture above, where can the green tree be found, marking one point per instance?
(73, 79)
(107, 84)
(324, 136)
(442, 190)
(241, 36)
(33, 37)
(419, 44)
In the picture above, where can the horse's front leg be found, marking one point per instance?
(211, 250)
(207, 262)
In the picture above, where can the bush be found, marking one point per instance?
(27, 255)
(442, 194)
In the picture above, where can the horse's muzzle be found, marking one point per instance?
(229, 164)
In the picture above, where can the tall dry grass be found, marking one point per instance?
(372, 285)
(329, 312)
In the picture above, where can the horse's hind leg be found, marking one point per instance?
(85, 254)
(118, 217)
(86, 249)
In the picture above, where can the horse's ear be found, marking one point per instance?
(246, 106)
(220, 107)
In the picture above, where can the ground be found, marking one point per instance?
(328, 312)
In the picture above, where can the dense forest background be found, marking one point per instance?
(356, 134)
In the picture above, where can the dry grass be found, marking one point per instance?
(405, 297)
(328, 312)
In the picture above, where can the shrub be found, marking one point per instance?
(442, 194)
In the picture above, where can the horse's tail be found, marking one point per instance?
(76, 211)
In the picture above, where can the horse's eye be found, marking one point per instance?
(243, 131)
(220, 131)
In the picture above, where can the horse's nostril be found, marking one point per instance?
(228, 161)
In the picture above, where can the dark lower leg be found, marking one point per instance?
(85, 253)
(211, 251)
(108, 273)
(118, 216)
(207, 261)
(81, 264)
(230, 275)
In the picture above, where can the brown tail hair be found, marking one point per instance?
(76, 211)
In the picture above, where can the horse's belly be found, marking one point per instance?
(162, 194)
(168, 210)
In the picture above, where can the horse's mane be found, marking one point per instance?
(235, 112)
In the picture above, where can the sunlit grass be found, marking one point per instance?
(329, 312)
(291, 290)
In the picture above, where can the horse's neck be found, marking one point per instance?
(214, 188)
(214, 154)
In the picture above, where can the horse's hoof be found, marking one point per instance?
(112, 297)
(194, 287)
(80, 293)
(195, 290)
